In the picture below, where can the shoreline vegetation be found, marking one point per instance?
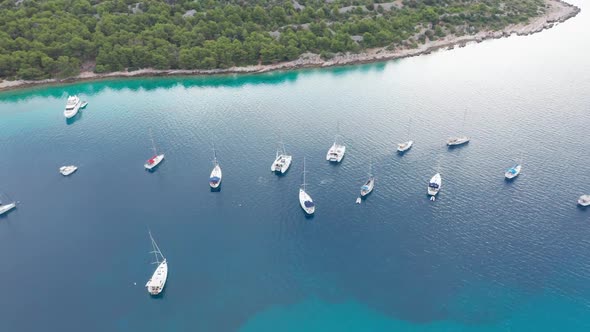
(420, 41)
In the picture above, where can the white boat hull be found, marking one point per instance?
(456, 141)
(215, 177)
(513, 172)
(584, 200)
(437, 181)
(403, 147)
(367, 188)
(7, 207)
(67, 170)
(71, 112)
(157, 282)
(155, 161)
(336, 153)
(281, 164)
(306, 202)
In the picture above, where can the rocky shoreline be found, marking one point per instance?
(557, 11)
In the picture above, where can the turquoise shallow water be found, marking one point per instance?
(488, 255)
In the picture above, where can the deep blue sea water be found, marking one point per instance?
(488, 255)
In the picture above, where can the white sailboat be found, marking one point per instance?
(434, 186)
(6, 207)
(513, 172)
(459, 140)
(305, 200)
(156, 159)
(67, 170)
(367, 188)
(282, 161)
(405, 146)
(216, 175)
(72, 106)
(158, 280)
(584, 200)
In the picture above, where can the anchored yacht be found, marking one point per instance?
(459, 140)
(405, 146)
(156, 159)
(215, 177)
(512, 172)
(282, 161)
(434, 186)
(305, 200)
(72, 107)
(157, 282)
(67, 170)
(584, 200)
(6, 207)
(336, 152)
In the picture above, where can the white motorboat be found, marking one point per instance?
(282, 161)
(157, 282)
(459, 140)
(216, 175)
(67, 170)
(305, 200)
(72, 107)
(434, 186)
(156, 159)
(336, 152)
(6, 207)
(405, 146)
(358, 200)
(84, 104)
(584, 200)
(513, 172)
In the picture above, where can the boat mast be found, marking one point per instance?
(303, 184)
(214, 156)
(464, 119)
(156, 249)
(153, 143)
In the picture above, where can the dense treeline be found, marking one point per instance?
(58, 38)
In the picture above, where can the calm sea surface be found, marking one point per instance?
(488, 255)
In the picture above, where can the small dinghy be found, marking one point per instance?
(584, 200)
(358, 200)
(513, 172)
(84, 104)
(67, 170)
(434, 186)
